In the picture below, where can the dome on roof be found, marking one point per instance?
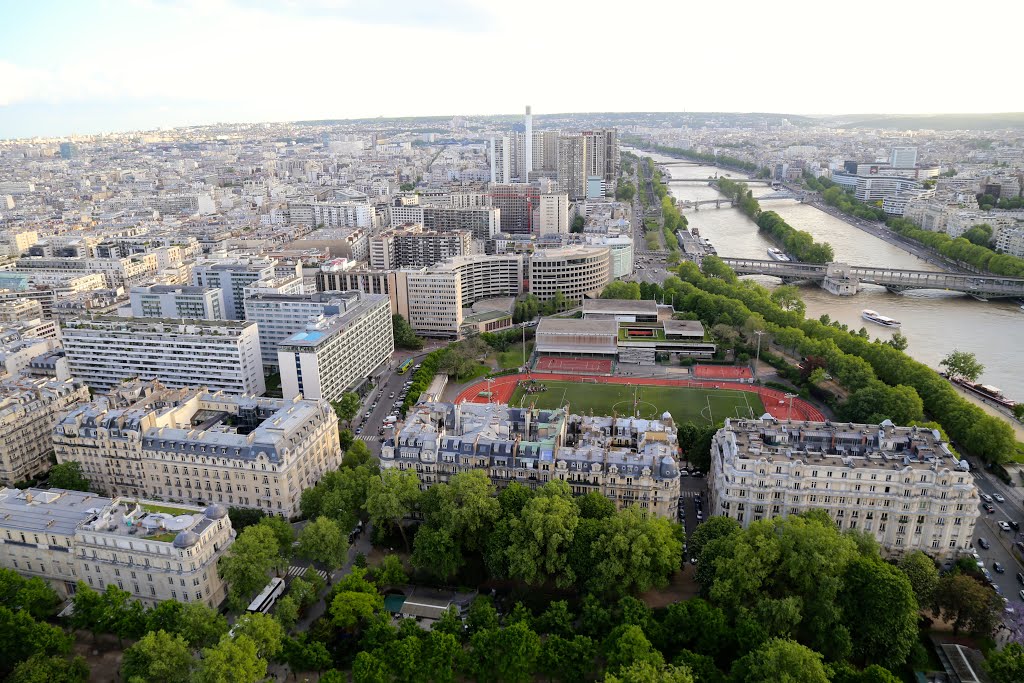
(666, 415)
(216, 511)
(186, 539)
(668, 468)
(887, 423)
(767, 416)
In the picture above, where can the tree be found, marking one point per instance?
(631, 647)
(436, 552)
(158, 657)
(787, 297)
(369, 668)
(283, 532)
(593, 505)
(570, 660)
(355, 599)
(286, 611)
(880, 611)
(962, 365)
(898, 341)
(481, 615)
(263, 630)
(714, 527)
(556, 619)
(323, 541)
(305, 589)
(244, 517)
(645, 672)
(247, 564)
(967, 604)
(358, 453)
(405, 336)
(347, 407)
(201, 626)
(923, 575)
(465, 507)
(391, 572)
(68, 475)
(780, 660)
(635, 553)
(440, 654)
(542, 534)
(507, 654)
(32, 595)
(1006, 665)
(617, 289)
(44, 669)
(232, 660)
(577, 224)
(302, 654)
(391, 496)
(24, 637)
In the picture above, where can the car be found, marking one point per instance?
(373, 405)
(391, 395)
(1005, 526)
(999, 498)
(1022, 595)
(989, 508)
(683, 473)
(367, 416)
(983, 544)
(700, 516)
(998, 567)
(1020, 578)
(987, 498)
(359, 430)
(1014, 524)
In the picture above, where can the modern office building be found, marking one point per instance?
(192, 446)
(339, 352)
(154, 552)
(232, 276)
(903, 157)
(576, 272)
(223, 355)
(29, 407)
(177, 301)
(630, 461)
(901, 485)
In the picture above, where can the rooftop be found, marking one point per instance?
(621, 306)
(576, 326)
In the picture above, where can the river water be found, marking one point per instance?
(934, 322)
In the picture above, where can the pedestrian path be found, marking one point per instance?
(301, 571)
(368, 438)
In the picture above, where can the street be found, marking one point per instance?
(1001, 541)
(391, 382)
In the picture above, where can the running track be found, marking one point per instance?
(775, 401)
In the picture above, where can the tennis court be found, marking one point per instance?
(685, 404)
(557, 364)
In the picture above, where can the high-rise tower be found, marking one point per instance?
(524, 173)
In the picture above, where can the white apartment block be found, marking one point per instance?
(553, 215)
(170, 301)
(576, 272)
(16, 354)
(288, 285)
(223, 355)
(232, 276)
(402, 215)
(901, 485)
(153, 552)
(201, 448)
(875, 188)
(337, 353)
(118, 272)
(29, 407)
(279, 316)
(1011, 241)
(331, 214)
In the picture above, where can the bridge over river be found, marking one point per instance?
(844, 279)
(726, 203)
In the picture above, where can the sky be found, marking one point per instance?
(88, 66)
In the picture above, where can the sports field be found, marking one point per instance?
(686, 404)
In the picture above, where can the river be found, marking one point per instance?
(934, 322)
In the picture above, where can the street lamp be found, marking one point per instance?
(789, 412)
(757, 360)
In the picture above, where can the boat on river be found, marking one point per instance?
(777, 255)
(878, 318)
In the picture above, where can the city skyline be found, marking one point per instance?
(71, 69)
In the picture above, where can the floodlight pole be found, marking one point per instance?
(757, 360)
(789, 412)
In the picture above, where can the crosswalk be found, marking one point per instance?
(301, 571)
(368, 438)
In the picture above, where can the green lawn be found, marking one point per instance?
(513, 358)
(167, 509)
(163, 538)
(701, 406)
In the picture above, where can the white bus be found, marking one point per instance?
(266, 599)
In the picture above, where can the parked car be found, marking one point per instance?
(683, 473)
(1005, 526)
(999, 498)
(1014, 524)
(1020, 578)
(1022, 595)
(983, 544)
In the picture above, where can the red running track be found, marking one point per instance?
(726, 372)
(775, 401)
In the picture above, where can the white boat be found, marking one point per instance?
(777, 255)
(878, 318)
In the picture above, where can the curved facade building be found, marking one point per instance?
(575, 271)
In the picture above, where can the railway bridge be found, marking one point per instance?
(845, 279)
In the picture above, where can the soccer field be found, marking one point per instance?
(686, 404)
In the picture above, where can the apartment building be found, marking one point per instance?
(174, 301)
(553, 215)
(192, 446)
(517, 203)
(223, 355)
(279, 316)
(117, 272)
(331, 214)
(630, 461)
(413, 247)
(576, 272)
(29, 407)
(232, 276)
(483, 222)
(901, 485)
(572, 165)
(338, 352)
(154, 552)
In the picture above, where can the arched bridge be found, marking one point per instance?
(726, 203)
(708, 181)
(895, 280)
